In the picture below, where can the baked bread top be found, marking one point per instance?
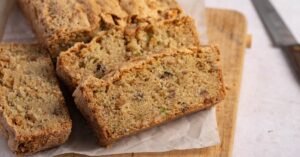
(32, 107)
(61, 23)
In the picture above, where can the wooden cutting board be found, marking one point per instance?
(227, 29)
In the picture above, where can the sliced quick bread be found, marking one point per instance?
(113, 47)
(33, 113)
(149, 92)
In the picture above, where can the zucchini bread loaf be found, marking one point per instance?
(108, 50)
(60, 23)
(33, 113)
(149, 92)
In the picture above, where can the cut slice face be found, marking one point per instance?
(33, 114)
(111, 48)
(152, 91)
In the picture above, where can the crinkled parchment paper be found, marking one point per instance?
(195, 131)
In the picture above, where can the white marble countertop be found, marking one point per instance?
(268, 121)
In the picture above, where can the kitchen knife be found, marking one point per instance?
(279, 33)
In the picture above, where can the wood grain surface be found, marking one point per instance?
(227, 29)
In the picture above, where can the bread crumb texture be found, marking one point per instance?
(32, 108)
(61, 23)
(111, 48)
(147, 93)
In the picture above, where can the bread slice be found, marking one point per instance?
(61, 23)
(113, 47)
(149, 92)
(32, 108)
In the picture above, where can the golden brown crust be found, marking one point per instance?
(32, 108)
(88, 112)
(36, 141)
(60, 23)
(85, 101)
(64, 71)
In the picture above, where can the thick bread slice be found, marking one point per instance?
(149, 92)
(32, 108)
(108, 50)
(61, 23)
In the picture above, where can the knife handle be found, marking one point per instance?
(293, 54)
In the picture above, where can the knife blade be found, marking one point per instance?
(279, 33)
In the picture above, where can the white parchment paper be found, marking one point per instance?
(195, 131)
